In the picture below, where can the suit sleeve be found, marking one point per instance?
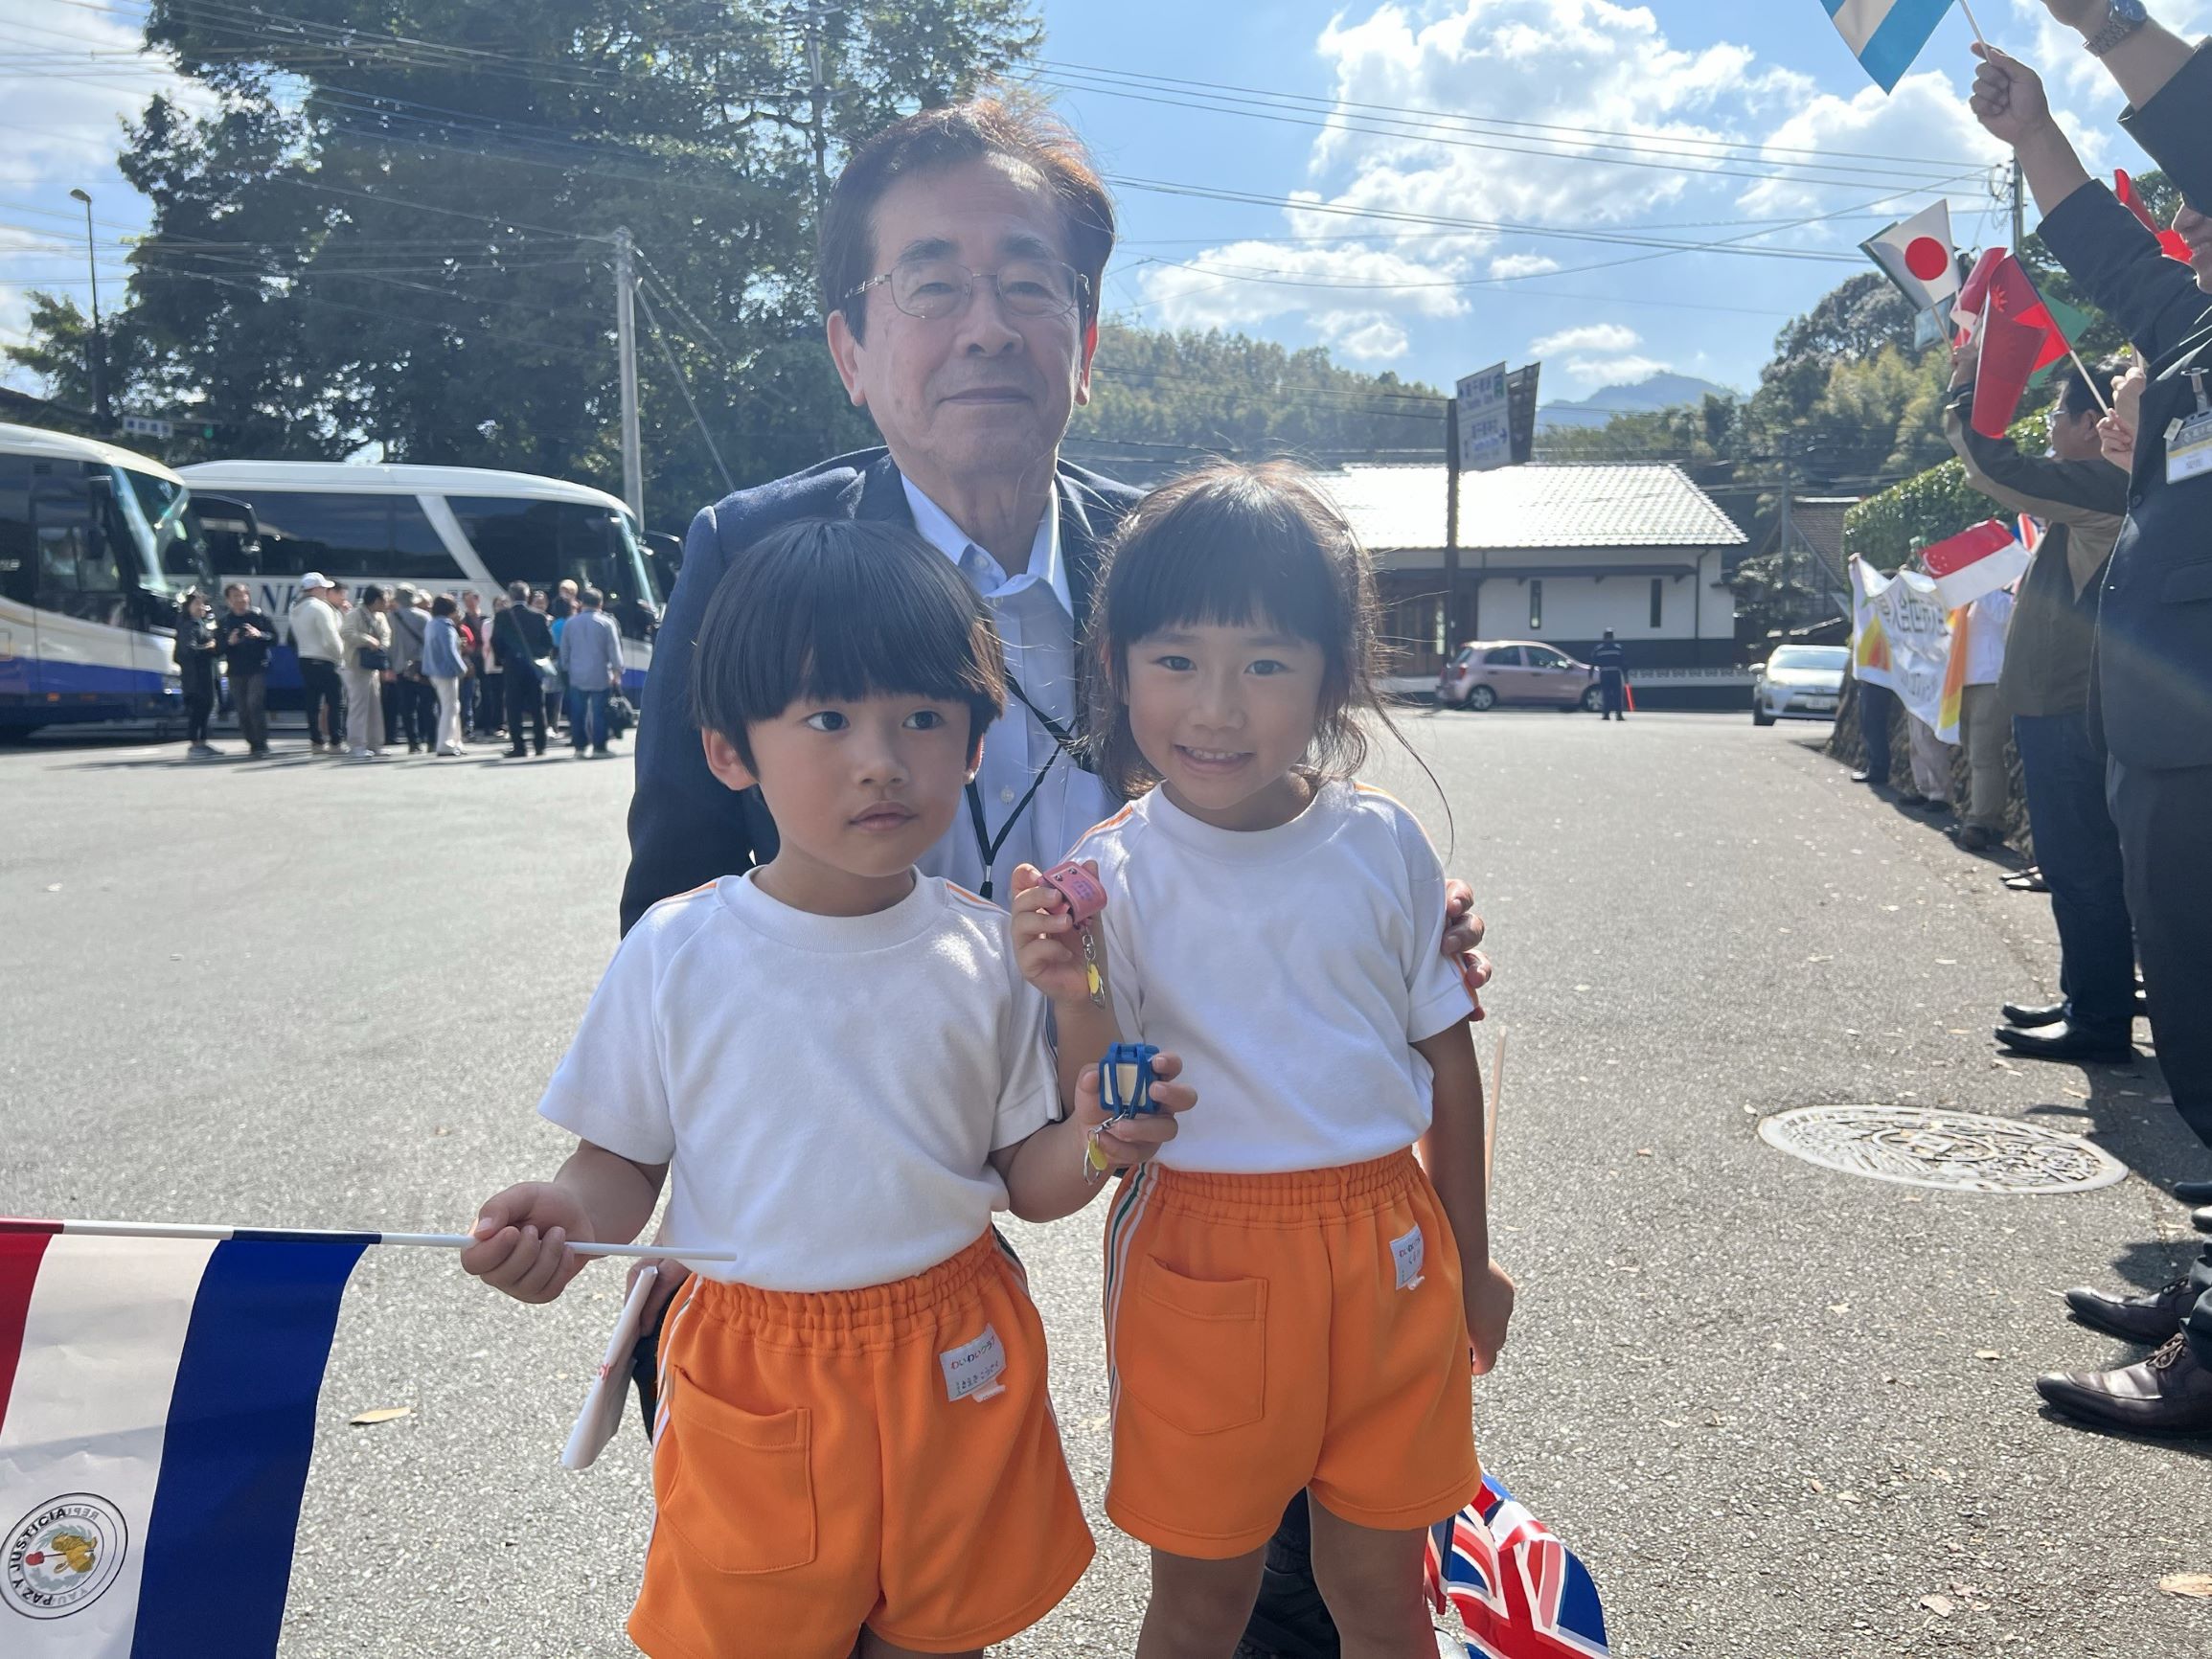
(2107, 250)
(2089, 494)
(685, 826)
(2173, 129)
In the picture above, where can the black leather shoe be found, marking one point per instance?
(2169, 1393)
(2200, 1218)
(2152, 1318)
(2064, 1042)
(1973, 839)
(1912, 797)
(2192, 1191)
(2032, 1016)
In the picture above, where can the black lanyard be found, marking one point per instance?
(1063, 743)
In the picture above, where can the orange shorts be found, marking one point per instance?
(883, 1458)
(1273, 1332)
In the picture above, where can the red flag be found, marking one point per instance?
(1974, 296)
(2173, 243)
(2019, 339)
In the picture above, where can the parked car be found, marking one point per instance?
(1484, 673)
(1799, 683)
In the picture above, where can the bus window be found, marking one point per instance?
(18, 547)
(78, 575)
(542, 543)
(349, 538)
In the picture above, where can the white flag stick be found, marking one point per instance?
(1971, 24)
(433, 1240)
(2096, 391)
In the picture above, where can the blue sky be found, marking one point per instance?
(1746, 121)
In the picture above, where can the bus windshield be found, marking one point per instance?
(172, 554)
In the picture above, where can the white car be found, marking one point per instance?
(1799, 683)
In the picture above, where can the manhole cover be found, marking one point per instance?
(1926, 1147)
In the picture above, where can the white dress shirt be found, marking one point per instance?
(1035, 619)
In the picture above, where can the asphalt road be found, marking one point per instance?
(1754, 1395)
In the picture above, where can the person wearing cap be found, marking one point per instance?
(322, 654)
(2154, 642)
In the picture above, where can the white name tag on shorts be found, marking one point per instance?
(1408, 1250)
(972, 1369)
(2189, 450)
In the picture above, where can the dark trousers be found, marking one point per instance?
(199, 704)
(588, 719)
(250, 693)
(1876, 719)
(319, 680)
(491, 702)
(403, 713)
(1613, 687)
(2079, 849)
(525, 701)
(2162, 818)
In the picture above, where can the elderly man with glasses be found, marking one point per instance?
(961, 255)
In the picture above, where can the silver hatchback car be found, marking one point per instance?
(1799, 683)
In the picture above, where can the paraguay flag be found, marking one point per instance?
(157, 1405)
(1885, 36)
(1520, 1593)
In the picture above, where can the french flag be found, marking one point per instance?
(1885, 36)
(157, 1409)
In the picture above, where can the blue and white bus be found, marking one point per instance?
(95, 542)
(444, 529)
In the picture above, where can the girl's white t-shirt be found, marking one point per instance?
(826, 1090)
(1291, 968)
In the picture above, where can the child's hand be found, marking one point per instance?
(1045, 941)
(1135, 1140)
(522, 1241)
(1489, 1309)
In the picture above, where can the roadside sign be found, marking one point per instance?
(1521, 397)
(146, 426)
(1485, 422)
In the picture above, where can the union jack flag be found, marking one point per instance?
(1520, 1593)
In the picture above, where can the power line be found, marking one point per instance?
(684, 386)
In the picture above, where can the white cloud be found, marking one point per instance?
(1592, 337)
(1512, 266)
(1628, 370)
(1366, 336)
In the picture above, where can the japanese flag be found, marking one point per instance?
(1917, 257)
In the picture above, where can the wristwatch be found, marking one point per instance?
(2127, 16)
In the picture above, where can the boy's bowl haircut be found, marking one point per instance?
(835, 611)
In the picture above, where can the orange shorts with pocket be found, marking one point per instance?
(884, 1457)
(1268, 1333)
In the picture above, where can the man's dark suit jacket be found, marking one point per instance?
(2154, 623)
(686, 828)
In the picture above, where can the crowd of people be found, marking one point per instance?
(2100, 670)
(382, 665)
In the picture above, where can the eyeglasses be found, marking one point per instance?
(934, 289)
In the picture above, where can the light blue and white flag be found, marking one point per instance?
(1886, 36)
(157, 1408)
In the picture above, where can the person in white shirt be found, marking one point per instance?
(855, 1362)
(1984, 722)
(1281, 927)
(322, 654)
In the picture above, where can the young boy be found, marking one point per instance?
(838, 1062)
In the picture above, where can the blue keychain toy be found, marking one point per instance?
(1125, 1089)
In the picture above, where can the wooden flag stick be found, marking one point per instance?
(1497, 1093)
(1963, 6)
(303, 1235)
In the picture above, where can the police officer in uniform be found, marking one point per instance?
(1612, 665)
(2154, 627)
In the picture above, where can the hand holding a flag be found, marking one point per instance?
(523, 1235)
(2116, 431)
(2009, 100)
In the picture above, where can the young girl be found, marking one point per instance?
(1289, 1297)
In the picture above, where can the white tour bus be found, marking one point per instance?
(444, 529)
(95, 542)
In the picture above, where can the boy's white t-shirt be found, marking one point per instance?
(826, 1090)
(1291, 968)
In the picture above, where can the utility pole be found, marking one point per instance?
(2020, 210)
(1451, 529)
(95, 347)
(817, 97)
(625, 344)
(1789, 600)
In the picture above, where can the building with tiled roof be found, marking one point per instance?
(1557, 553)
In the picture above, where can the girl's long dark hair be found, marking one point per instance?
(1236, 545)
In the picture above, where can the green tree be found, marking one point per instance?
(393, 228)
